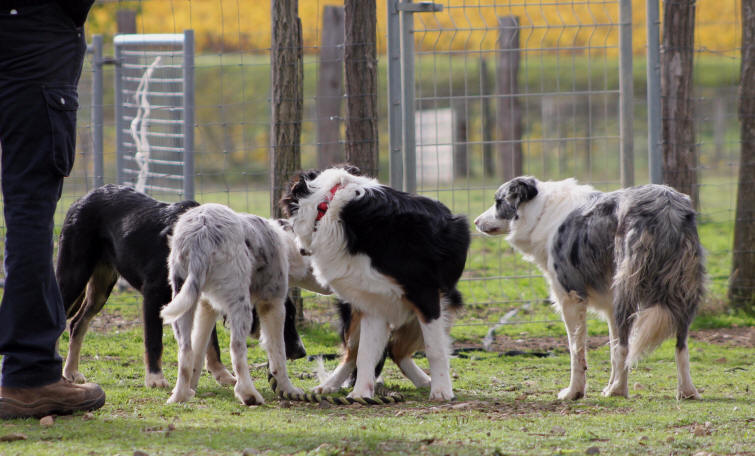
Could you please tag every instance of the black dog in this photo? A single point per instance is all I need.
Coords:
(115, 230)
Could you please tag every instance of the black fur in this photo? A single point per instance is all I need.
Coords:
(413, 239)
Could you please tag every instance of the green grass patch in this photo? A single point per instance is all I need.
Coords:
(505, 405)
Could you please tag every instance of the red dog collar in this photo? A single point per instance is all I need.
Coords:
(322, 208)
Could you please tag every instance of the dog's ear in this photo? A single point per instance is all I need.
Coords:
(297, 189)
(351, 169)
(512, 194)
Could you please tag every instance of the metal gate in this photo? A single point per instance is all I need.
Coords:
(154, 112)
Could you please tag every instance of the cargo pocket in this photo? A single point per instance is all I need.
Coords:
(62, 103)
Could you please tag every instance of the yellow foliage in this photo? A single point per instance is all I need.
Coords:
(244, 25)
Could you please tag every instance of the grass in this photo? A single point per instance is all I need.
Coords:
(505, 405)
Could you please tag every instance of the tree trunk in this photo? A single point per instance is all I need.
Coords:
(677, 105)
(330, 88)
(742, 284)
(361, 85)
(488, 162)
(287, 96)
(509, 110)
(287, 78)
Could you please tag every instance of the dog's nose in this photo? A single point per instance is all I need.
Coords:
(477, 222)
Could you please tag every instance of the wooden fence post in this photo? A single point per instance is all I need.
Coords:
(488, 163)
(742, 284)
(460, 138)
(361, 85)
(287, 74)
(509, 110)
(126, 21)
(677, 105)
(330, 88)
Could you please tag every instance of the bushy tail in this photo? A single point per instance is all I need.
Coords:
(660, 273)
(651, 327)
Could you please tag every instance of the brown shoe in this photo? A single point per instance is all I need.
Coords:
(60, 398)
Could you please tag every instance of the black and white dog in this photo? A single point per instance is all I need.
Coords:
(115, 230)
(633, 255)
(236, 263)
(395, 257)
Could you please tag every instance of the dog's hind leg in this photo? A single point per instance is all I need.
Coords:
(204, 323)
(685, 388)
(405, 341)
(437, 348)
(97, 291)
(272, 315)
(214, 364)
(241, 325)
(617, 383)
(574, 313)
(374, 333)
(155, 296)
(182, 328)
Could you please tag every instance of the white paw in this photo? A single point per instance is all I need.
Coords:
(615, 390)
(689, 394)
(571, 394)
(325, 389)
(224, 378)
(155, 380)
(250, 397)
(441, 394)
(362, 392)
(74, 377)
(180, 396)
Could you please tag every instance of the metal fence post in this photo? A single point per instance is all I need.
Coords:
(118, 110)
(408, 142)
(626, 95)
(188, 108)
(97, 121)
(395, 126)
(654, 93)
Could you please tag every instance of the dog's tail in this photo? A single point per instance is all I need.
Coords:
(187, 259)
(660, 277)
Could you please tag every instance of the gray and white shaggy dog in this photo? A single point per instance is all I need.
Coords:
(633, 255)
(233, 261)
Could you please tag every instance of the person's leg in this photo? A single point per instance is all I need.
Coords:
(37, 134)
(40, 64)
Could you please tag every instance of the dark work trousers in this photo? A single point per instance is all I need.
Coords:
(41, 55)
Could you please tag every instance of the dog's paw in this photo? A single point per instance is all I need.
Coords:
(689, 394)
(180, 396)
(615, 390)
(224, 378)
(74, 377)
(441, 395)
(251, 397)
(291, 389)
(568, 394)
(155, 380)
(325, 389)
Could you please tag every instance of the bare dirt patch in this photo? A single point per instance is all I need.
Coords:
(733, 337)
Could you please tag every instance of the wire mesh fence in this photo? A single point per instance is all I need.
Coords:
(493, 80)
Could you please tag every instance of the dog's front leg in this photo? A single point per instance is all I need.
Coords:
(272, 317)
(182, 392)
(374, 333)
(574, 312)
(437, 347)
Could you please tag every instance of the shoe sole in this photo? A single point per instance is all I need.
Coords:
(10, 408)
